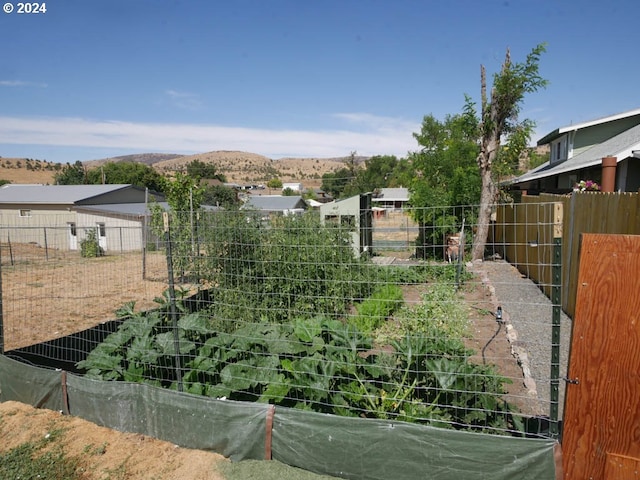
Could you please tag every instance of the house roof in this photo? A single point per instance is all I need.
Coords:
(621, 146)
(136, 209)
(400, 194)
(275, 203)
(54, 194)
(549, 137)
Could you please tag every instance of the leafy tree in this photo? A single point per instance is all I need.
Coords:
(274, 183)
(71, 175)
(444, 175)
(379, 172)
(134, 173)
(536, 159)
(289, 192)
(4, 182)
(335, 183)
(498, 120)
(198, 169)
(220, 195)
(346, 181)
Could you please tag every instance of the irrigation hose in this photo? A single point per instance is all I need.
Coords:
(484, 361)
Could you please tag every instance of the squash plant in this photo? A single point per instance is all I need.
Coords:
(316, 363)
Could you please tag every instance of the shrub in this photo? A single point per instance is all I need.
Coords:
(89, 246)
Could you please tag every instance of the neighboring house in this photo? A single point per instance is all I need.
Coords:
(59, 216)
(577, 153)
(391, 198)
(276, 204)
(354, 213)
(296, 187)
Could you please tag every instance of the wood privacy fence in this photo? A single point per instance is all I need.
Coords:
(523, 232)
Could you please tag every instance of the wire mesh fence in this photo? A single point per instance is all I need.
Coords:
(293, 311)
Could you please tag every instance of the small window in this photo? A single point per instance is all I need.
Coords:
(102, 230)
(25, 213)
(558, 150)
(72, 229)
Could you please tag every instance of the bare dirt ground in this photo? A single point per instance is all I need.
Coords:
(105, 453)
(50, 298)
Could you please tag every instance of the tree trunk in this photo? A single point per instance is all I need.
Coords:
(487, 200)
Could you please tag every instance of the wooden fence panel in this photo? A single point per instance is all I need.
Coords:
(602, 413)
(613, 213)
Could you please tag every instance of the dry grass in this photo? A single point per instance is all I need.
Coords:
(238, 167)
(46, 299)
(15, 170)
(244, 167)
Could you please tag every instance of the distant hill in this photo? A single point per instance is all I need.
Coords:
(238, 167)
(146, 158)
(245, 167)
(27, 170)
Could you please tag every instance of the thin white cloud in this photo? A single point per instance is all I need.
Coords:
(184, 100)
(376, 122)
(21, 83)
(384, 139)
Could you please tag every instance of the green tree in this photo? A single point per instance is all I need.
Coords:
(379, 172)
(198, 169)
(120, 173)
(71, 175)
(445, 175)
(274, 183)
(334, 183)
(219, 195)
(498, 120)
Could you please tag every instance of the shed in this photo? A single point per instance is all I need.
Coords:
(56, 215)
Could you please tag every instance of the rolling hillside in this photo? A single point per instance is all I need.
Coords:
(238, 167)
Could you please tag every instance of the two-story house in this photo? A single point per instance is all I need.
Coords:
(577, 152)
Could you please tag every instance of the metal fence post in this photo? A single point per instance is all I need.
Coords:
(556, 300)
(172, 302)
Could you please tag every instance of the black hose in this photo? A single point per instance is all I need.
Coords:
(498, 316)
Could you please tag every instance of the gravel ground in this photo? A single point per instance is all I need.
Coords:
(529, 312)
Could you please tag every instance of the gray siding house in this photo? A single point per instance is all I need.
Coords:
(391, 198)
(577, 153)
(275, 204)
(61, 215)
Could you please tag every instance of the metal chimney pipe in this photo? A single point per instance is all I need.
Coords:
(609, 174)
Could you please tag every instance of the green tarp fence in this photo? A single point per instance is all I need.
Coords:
(353, 448)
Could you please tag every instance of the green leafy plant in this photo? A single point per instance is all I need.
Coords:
(282, 329)
(90, 246)
(375, 309)
(313, 363)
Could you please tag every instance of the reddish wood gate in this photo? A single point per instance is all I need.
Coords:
(601, 434)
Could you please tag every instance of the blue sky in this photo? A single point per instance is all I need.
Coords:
(90, 79)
